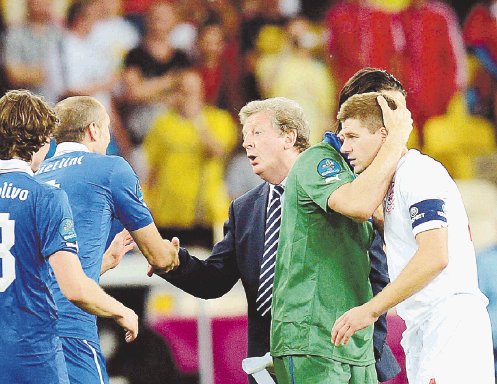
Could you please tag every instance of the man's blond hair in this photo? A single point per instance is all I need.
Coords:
(365, 107)
(76, 114)
(286, 115)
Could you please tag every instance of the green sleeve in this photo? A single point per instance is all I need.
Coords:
(320, 171)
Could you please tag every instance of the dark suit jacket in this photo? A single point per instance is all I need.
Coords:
(238, 256)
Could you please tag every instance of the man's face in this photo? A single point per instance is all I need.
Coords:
(103, 136)
(161, 19)
(265, 146)
(39, 10)
(211, 43)
(359, 144)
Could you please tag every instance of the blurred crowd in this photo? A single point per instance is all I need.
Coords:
(174, 75)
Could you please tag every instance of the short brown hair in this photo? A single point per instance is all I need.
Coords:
(26, 124)
(286, 115)
(365, 107)
(76, 113)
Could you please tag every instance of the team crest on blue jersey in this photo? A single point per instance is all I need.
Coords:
(139, 193)
(67, 232)
(328, 168)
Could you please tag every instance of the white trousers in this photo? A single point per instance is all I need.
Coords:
(452, 346)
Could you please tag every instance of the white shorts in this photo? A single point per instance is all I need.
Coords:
(452, 346)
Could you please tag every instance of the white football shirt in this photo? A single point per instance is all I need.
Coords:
(422, 197)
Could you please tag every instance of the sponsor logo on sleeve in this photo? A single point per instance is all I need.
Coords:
(66, 230)
(329, 170)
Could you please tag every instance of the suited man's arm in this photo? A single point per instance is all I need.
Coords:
(387, 366)
(213, 277)
(378, 277)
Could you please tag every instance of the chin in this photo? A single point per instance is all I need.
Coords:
(257, 170)
(358, 170)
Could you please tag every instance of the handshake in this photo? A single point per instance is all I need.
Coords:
(173, 248)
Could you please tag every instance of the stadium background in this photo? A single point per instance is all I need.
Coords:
(187, 340)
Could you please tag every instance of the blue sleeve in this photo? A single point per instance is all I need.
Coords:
(55, 224)
(129, 206)
(333, 140)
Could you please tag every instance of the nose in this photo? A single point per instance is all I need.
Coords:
(247, 142)
(345, 148)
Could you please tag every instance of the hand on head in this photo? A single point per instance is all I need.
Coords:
(398, 122)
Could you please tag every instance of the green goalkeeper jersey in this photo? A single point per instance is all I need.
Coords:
(322, 265)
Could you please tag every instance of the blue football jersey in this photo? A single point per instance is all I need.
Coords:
(101, 189)
(35, 222)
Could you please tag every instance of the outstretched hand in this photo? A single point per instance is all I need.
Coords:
(176, 244)
(121, 244)
(350, 322)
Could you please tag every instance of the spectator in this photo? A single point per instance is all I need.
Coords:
(97, 76)
(285, 73)
(32, 52)
(218, 68)
(3, 76)
(135, 11)
(480, 34)
(373, 34)
(147, 77)
(256, 15)
(433, 61)
(186, 148)
(113, 34)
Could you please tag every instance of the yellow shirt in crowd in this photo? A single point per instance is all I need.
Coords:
(188, 185)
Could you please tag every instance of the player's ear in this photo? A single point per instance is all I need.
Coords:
(290, 138)
(383, 133)
(93, 131)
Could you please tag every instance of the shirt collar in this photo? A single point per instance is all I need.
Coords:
(15, 165)
(282, 184)
(70, 146)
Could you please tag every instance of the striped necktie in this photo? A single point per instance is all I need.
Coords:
(273, 221)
